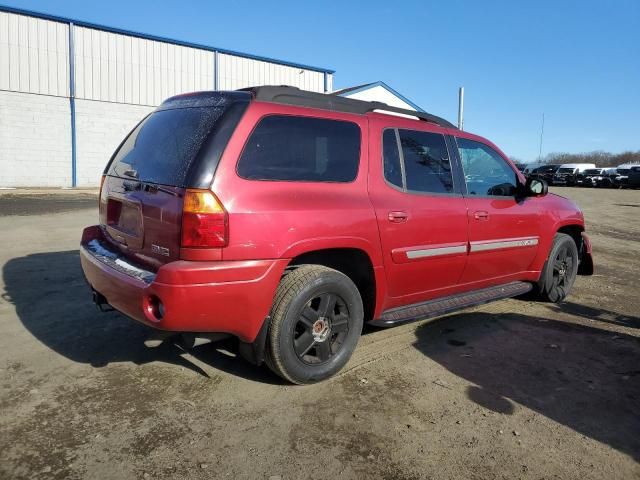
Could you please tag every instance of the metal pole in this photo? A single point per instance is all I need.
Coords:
(72, 105)
(216, 71)
(541, 134)
(461, 108)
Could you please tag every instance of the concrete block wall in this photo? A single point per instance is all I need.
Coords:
(100, 127)
(115, 79)
(35, 140)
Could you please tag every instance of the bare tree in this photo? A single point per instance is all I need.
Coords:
(599, 158)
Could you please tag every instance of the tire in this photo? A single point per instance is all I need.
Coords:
(308, 340)
(560, 269)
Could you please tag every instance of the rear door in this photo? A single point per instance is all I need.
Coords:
(504, 230)
(420, 211)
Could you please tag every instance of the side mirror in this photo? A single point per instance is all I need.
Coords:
(536, 187)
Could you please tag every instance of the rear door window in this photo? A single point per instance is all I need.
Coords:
(417, 161)
(304, 149)
(162, 148)
(391, 157)
(485, 171)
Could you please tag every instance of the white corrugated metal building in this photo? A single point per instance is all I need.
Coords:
(70, 91)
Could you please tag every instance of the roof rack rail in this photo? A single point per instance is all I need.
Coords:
(295, 96)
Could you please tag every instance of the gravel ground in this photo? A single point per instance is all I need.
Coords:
(514, 389)
(32, 202)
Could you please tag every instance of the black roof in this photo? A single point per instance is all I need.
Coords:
(303, 98)
(292, 96)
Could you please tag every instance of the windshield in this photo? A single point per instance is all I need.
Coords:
(164, 145)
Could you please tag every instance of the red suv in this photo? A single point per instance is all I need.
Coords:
(288, 218)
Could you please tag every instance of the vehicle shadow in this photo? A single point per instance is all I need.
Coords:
(582, 377)
(599, 314)
(54, 304)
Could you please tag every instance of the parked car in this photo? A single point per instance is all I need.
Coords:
(627, 176)
(544, 172)
(530, 167)
(567, 173)
(521, 167)
(288, 218)
(596, 177)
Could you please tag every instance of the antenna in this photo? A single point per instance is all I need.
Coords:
(541, 134)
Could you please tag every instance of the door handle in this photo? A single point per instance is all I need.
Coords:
(398, 217)
(481, 215)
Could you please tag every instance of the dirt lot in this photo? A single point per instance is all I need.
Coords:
(509, 390)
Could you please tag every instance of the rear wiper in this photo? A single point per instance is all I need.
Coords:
(131, 173)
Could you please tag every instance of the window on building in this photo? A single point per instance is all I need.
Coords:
(289, 148)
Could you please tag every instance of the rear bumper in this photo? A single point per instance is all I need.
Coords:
(587, 182)
(563, 181)
(226, 296)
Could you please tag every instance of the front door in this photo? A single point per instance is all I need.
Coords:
(504, 230)
(421, 214)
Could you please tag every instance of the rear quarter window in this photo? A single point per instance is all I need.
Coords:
(290, 148)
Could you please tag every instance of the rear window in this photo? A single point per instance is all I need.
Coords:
(291, 148)
(417, 161)
(391, 158)
(163, 147)
(426, 162)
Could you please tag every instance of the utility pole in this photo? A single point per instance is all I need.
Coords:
(461, 108)
(541, 134)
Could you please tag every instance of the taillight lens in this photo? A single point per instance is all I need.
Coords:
(204, 220)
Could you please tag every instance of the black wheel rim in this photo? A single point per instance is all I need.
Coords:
(563, 268)
(321, 328)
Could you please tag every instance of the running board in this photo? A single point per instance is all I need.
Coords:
(440, 306)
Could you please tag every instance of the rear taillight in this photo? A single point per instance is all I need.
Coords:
(204, 220)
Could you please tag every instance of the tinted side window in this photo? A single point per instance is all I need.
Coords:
(485, 171)
(290, 148)
(391, 158)
(426, 162)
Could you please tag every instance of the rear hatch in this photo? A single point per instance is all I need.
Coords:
(176, 147)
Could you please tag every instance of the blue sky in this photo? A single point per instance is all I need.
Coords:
(576, 61)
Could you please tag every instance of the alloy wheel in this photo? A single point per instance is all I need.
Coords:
(321, 328)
